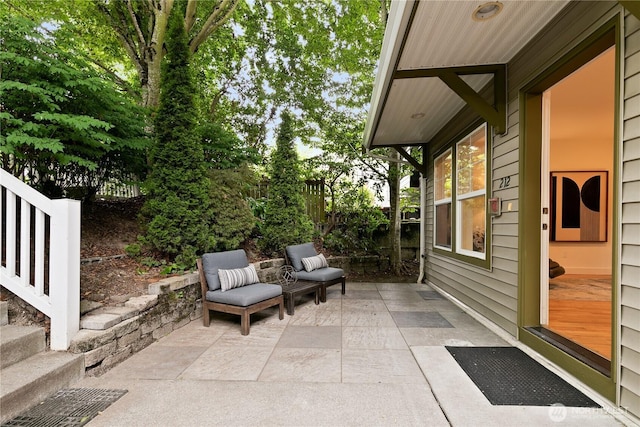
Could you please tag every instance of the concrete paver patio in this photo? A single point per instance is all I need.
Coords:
(375, 356)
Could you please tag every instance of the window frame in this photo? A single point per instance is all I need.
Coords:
(444, 201)
(481, 259)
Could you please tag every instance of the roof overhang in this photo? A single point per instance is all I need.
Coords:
(436, 59)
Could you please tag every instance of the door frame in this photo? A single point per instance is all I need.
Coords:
(530, 212)
(544, 214)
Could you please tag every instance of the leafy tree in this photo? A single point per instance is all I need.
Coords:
(316, 58)
(178, 208)
(286, 219)
(223, 149)
(334, 171)
(409, 200)
(359, 221)
(141, 27)
(63, 123)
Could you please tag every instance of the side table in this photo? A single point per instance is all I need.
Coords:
(299, 288)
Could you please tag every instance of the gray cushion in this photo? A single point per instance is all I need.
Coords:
(295, 253)
(321, 275)
(245, 295)
(225, 260)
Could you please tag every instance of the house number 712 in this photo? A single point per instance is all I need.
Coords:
(505, 182)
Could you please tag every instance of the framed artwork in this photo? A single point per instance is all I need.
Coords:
(579, 206)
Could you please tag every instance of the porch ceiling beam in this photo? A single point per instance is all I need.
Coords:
(632, 6)
(411, 160)
(495, 116)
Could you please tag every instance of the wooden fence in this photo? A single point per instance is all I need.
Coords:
(314, 200)
(313, 192)
(314, 196)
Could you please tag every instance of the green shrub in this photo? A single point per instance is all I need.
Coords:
(358, 222)
(259, 210)
(177, 212)
(286, 221)
(232, 220)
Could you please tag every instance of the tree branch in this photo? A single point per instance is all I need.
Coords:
(216, 99)
(134, 21)
(213, 21)
(190, 15)
(122, 33)
(121, 82)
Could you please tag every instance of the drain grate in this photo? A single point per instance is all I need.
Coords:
(68, 407)
(428, 295)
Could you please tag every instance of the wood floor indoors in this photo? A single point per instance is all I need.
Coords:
(580, 310)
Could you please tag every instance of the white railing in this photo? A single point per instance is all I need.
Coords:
(40, 254)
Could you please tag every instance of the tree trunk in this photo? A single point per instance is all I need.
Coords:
(153, 56)
(151, 87)
(395, 257)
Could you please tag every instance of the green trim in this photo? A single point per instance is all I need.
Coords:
(529, 219)
(616, 216)
(588, 49)
(437, 72)
(594, 379)
(421, 168)
(495, 116)
(632, 6)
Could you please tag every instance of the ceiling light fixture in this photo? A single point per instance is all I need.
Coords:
(417, 115)
(487, 11)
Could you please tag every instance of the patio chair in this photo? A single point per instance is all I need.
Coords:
(231, 285)
(312, 267)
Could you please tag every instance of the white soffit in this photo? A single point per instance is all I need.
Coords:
(428, 96)
(443, 34)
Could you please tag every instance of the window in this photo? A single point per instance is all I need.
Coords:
(466, 201)
(443, 189)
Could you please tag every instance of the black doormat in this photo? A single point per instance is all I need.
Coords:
(508, 376)
(68, 407)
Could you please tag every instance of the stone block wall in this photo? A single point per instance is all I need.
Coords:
(112, 334)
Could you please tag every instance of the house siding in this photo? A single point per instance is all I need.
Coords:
(630, 218)
(494, 293)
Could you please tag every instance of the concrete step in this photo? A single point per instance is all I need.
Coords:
(19, 342)
(28, 382)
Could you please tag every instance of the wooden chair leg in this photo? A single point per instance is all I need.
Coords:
(344, 281)
(323, 293)
(316, 294)
(245, 320)
(205, 316)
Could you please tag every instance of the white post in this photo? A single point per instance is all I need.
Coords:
(423, 226)
(25, 238)
(64, 273)
(11, 233)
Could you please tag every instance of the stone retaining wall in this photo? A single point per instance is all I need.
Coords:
(109, 335)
